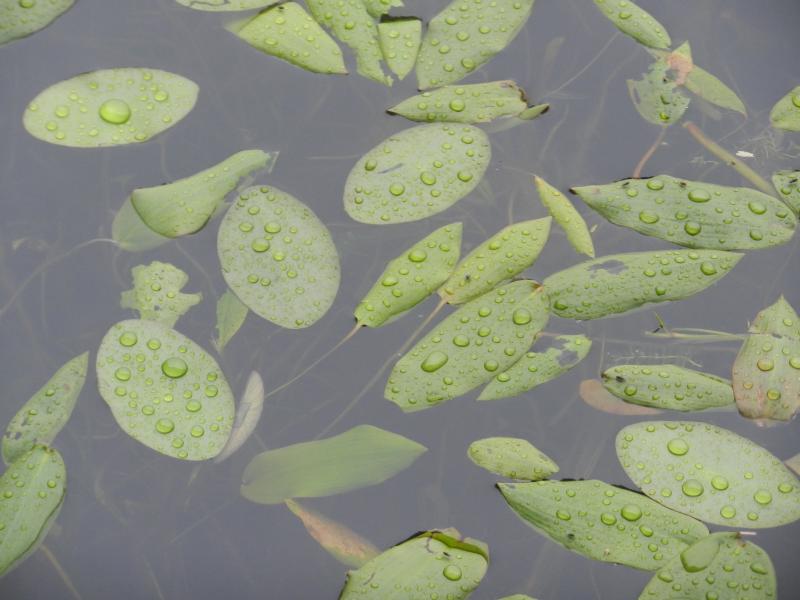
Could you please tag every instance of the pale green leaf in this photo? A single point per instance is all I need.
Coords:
(779, 319)
(657, 97)
(20, 18)
(226, 5)
(376, 8)
(231, 313)
(534, 111)
(793, 463)
(131, 233)
(514, 458)
(566, 216)
(702, 83)
(156, 293)
(248, 413)
(785, 183)
(595, 395)
(635, 22)
(786, 112)
(399, 39)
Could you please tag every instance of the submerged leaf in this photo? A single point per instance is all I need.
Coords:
(360, 457)
(248, 414)
(566, 216)
(231, 313)
(657, 96)
(156, 293)
(595, 395)
(21, 18)
(131, 233)
(786, 113)
(635, 22)
(512, 457)
(226, 5)
(789, 191)
(399, 40)
(110, 107)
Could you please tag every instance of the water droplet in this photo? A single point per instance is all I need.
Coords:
(678, 447)
(608, 519)
(452, 572)
(708, 268)
(699, 196)
(763, 497)
(128, 339)
(648, 217)
(174, 367)
(719, 483)
(631, 512)
(164, 426)
(123, 374)
(692, 488)
(765, 364)
(396, 189)
(115, 111)
(756, 207)
(692, 228)
(434, 361)
(727, 512)
(417, 256)
(521, 316)
(457, 105)
(461, 341)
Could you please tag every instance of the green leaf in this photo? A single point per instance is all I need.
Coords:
(130, 232)
(793, 463)
(399, 39)
(226, 5)
(668, 386)
(635, 22)
(430, 564)
(416, 173)
(618, 283)
(566, 216)
(595, 395)
(512, 457)
(110, 107)
(290, 33)
(786, 113)
(376, 8)
(164, 390)
(360, 457)
(496, 260)
(48, 410)
(534, 111)
(231, 313)
(248, 413)
(156, 293)
(278, 257)
(484, 337)
(692, 213)
(788, 190)
(657, 97)
(603, 522)
(717, 566)
(710, 473)
(21, 18)
(538, 367)
(411, 277)
(186, 205)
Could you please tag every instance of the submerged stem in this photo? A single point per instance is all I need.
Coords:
(61, 572)
(637, 172)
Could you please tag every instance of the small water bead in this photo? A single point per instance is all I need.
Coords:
(699, 196)
(123, 374)
(631, 512)
(174, 367)
(27, 3)
(785, 488)
(608, 519)
(719, 483)
(765, 364)
(193, 406)
(655, 185)
(434, 361)
(164, 426)
(427, 178)
(708, 268)
(563, 515)
(464, 176)
(757, 208)
(389, 281)
(692, 228)
(452, 572)
(197, 431)
(115, 111)
(796, 100)
(457, 105)
(678, 447)
(692, 488)
(260, 245)
(417, 256)
(648, 217)
(397, 189)
(491, 365)
(148, 410)
(128, 339)
(461, 341)
(763, 497)
(521, 316)
(727, 512)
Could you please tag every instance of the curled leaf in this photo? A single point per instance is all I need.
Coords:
(635, 22)
(566, 216)
(786, 112)
(248, 414)
(156, 293)
(512, 457)
(399, 40)
(21, 18)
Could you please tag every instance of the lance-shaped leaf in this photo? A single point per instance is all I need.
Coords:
(341, 542)
(595, 395)
(786, 184)
(231, 313)
(288, 32)
(48, 410)
(376, 8)
(657, 97)
(399, 40)
(465, 35)
(538, 367)
(496, 260)
(411, 277)
(603, 522)
(31, 493)
(484, 337)
(512, 457)
(248, 414)
(635, 22)
(416, 173)
(786, 112)
(668, 386)
(618, 283)
(432, 564)
(710, 473)
(110, 107)
(692, 213)
(156, 293)
(360, 457)
(130, 232)
(722, 565)
(21, 18)
(225, 5)
(566, 216)
(278, 257)
(164, 390)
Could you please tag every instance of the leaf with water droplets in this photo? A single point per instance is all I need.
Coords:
(635, 22)
(156, 293)
(110, 107)
(21, 18)
(786, 112)
(399, 39)
(618, 283)
(416, 173)
(278, 257)
(485, 336)
(164, 390)
(786, 183)
(595, 395)
(512, 457)
(411, 277)
(360, 457)
(722, 565)
(538, 367)
(603, 522)
(248, 414)
(566, 216)
(226, 5)
(709, 473)
(377, 8)
(692, 213)
(231, 313)
(131, 233)
(657, 97)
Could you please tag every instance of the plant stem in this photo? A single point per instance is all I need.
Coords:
(637, 172)
(61, 572)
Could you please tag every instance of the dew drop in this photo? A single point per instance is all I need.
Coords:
(115, 111)
(174, 367)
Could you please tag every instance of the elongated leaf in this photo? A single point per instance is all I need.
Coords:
(164, 390)
(376, 8)
(360, 457)
(465, 35)
(248, 414)
(225, 5)
(657, 97)
(131, 233)
(512, 457)
(710, 473)
(692, 213)
(595, 395)
(399, 40)
(566, 216)
(416, 173)
(21, 18)
(786, 184)
(618, 283)
(48, 410)
(110, 107)
(635, 22)
(483, 337)
(156, 293)
(603, 522)
(786, 112)
(411, 277)
(722, 565)
(498, 259)
(538, 367)
(231, 313)
(278, 257)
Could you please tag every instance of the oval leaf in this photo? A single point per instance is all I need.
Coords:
(156, 293)
(231, 313)
(657, 97)
(635, 22)
(399, 40)
(248, 414)
(21, 18)
(595, 395)
(786, 113)
(512, 457)
(225, 5)
(566, 216)
(786, 184)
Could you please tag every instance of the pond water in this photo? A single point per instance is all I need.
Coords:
(137, 524)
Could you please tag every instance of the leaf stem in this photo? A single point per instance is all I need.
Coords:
(637, 172)
(61, 572)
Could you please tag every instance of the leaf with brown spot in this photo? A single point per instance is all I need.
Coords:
(595, 395)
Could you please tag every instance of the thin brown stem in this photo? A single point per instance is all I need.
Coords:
(637, 172)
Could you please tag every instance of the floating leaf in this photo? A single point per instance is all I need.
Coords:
(226, 5)
(411, 277)
(595, 395)
(618, 283)
(164, 390)
(603, 522)
(21, 18)
(786, 184)
(156, 293)
(110, 107)
(498, 259)
(360, 457)
(376, 8)
(399, 40)
(538, 367)
(512, 457)
(32, 491)
(786, 113)
(483, 337)
(794, 463)
(186, 205)
(278, 257)
(635, 22)
(248, 414)
(131, 233)
(231, 313)
(692, 213)
(534, 111)
(45, 414)
(465, 35)
(566, 216)
(416, 173)
(717, 566)
(710, 473)
(657, 97)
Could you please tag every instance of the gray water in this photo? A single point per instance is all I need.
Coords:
(132, 526)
